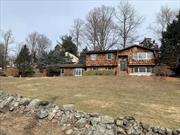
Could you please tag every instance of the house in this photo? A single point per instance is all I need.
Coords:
(71, 69)
(133, 60)
(74, 59)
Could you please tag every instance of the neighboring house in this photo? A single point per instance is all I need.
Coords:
(74, 59)
(133, 60)
(71, 69)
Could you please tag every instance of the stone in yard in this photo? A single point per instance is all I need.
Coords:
(107, 120)
(120, 130)
(42, 113)
(43, 103)
(81, 123)
(95, 120)
(168, 131)
(6, 102)
(52, 113)
(69, 107)
(69, 132)
(34, 104)
(119, 123)
(24, 101)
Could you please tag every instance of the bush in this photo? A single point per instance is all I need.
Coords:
(53, 70)
(99, 72)
(28, 72)
(163, 70)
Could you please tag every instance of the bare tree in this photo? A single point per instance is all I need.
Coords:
(165, 16)
(8, 39)
(127, 20)
(37, 43)
(43, 43)
(100, 29)
(77, 32)
(2, 50)
(31, 41)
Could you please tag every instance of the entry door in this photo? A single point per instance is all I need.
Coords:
(123, 64)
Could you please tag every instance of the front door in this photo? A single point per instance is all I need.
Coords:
(123, 64)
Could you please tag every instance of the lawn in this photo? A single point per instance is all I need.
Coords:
(155, 101)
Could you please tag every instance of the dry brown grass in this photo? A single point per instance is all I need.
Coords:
(150, 99)
(17, 124)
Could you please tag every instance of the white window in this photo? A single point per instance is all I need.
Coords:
(143, 56)
(142, 70)
(78, 71)
(93, 56)
(109, 56)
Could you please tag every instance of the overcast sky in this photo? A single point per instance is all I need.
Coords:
(55, 17)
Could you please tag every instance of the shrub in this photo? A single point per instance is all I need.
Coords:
(99, 72)
(53, 70)
(163, 70)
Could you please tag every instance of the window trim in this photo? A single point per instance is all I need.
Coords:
(146, 69)
(107, 56)
(78, 71)
(93, 56)
(136, 56)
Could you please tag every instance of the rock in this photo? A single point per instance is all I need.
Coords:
(174, 132)
(178, 130)
(162, 131)
(99, 130)
(145, 126)
(34, 104)
(120, 130)
(81, 123)
(69, 132)
(4, 109)
(53, 112)
(42, 113)
(107, 120)
(168, 131)
(119, 123)
(6, 102)
(43, 103)
(129, 118)
(69, 107)
(24, 101)
(94, 121)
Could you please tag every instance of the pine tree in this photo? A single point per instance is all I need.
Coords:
(170, 49)
(68, 45)
(23, 62)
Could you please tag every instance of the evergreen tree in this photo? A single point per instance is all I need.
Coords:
(23, 62)
(82, 57)
(170, 49)
(68, 45)
(148, 43)
(57, 56)
(2, 52)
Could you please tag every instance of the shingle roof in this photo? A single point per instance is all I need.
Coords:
(113, 51)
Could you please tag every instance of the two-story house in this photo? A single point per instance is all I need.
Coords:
(133, 60)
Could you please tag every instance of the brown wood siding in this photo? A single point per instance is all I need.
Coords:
(100, 60)
(12, 71)
(68, 71)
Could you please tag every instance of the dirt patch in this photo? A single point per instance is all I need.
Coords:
(11, 124)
